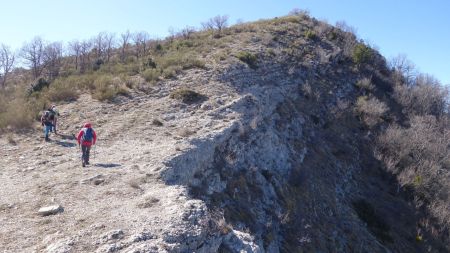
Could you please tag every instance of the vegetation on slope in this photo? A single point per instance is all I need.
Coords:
(406, 113)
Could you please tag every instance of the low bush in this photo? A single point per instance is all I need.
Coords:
(311, 35)
(184, 61)
(371, 110)
(17, 115)
(39, 84)
(171, 72)
(82, 82)
(130, 82)
(108, 87)
(151, 75)
(97, 64)
(186, 96)
(365, 84)
(362, 54)
(60, 90)
(150, 63)
(248, 58)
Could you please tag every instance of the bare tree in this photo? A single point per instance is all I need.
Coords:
(345, 27)
(124, 40)
(402, 65)
(7, 58)
(208, 25)
(216, 23)
(33, 53)
(52, 59)
(425, 97)
(140, 40)
(187, 32)
(85, 49)
(75, 50)
(299, 12)
(349, 37)
(99, 43)
(110, 40)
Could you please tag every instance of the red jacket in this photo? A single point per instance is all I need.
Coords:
(86, 143)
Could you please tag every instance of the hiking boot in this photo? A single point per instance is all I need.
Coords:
(83, 164)
(46, 138)
(87, 163)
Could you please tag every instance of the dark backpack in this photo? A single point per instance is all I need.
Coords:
(46, 117)
(88, 134)
(51, 114)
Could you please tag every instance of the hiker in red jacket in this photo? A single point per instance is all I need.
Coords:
(86, 138)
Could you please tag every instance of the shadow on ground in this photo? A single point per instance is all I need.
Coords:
(107, 165)
(67, 136)
(65, 143)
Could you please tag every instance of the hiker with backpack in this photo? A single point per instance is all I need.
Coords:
(53, 116)
(47, 123)
(86, 138)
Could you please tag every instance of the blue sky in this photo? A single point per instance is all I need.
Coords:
(419, 29)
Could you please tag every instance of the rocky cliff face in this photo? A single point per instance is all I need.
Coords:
(295, 171)
(275, 160)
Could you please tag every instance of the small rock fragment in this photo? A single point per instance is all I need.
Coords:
(49, 210)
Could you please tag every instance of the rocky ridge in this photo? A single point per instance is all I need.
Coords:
(273, 161)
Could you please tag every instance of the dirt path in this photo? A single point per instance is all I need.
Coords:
(120, 200)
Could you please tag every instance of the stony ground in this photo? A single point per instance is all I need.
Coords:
(120, 201)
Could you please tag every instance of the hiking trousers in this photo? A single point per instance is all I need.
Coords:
(47, 130)
(85, 156)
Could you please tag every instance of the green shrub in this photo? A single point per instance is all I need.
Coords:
(150, 63)
(104, 93)
(108, 87)
(285, 20)
(62, 90)
(185, 61)
(248, 58)
(271, 52)
(362, 54)
(18, 115)
(171, 72)
(39, 84)
(97, 64)
(183, 43)
(311, 35)
(133, 69)
(192, 62)
(186, 96)
(151, 75)
(122, 90)
(83, 82)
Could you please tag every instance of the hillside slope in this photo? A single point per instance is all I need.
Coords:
(273, 158)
